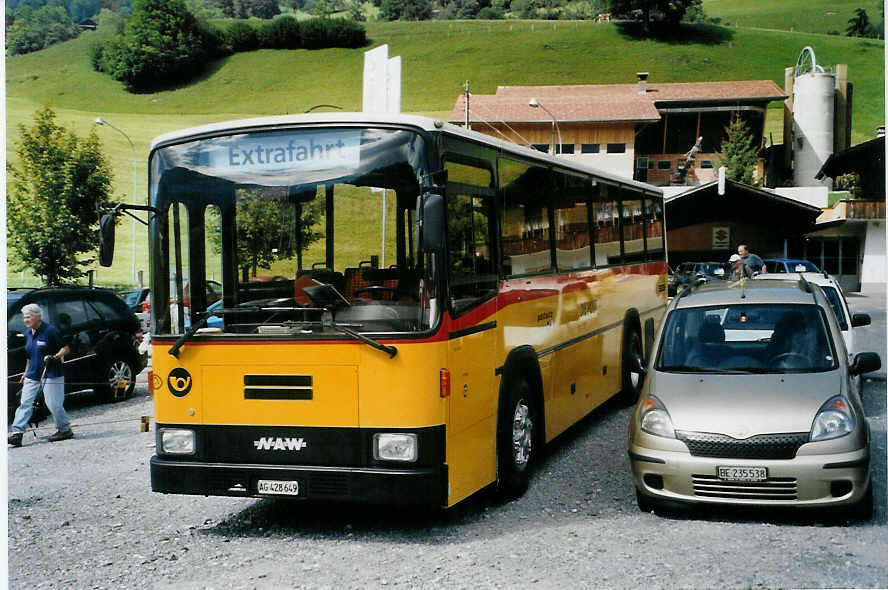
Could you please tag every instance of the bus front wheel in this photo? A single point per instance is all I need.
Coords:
(516, 448)
(632, 373)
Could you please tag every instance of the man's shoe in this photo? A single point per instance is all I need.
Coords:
(61, 435)
(15, 439)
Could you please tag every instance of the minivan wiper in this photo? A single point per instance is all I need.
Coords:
(390, 350)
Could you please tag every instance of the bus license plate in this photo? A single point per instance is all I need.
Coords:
(277, 488)
(743, 473)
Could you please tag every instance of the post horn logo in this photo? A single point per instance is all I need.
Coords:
(179, 381)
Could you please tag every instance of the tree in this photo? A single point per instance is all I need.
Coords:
(57, 186)
(162, 44)
(738, 154)
(648, 11)
(267, 229)
(859, 25)
(32, 30)
(405, 10)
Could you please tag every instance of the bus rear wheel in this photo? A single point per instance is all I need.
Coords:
(517, 437)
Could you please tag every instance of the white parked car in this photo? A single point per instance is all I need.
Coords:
(835, 295)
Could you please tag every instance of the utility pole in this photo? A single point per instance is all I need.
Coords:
(467, 105)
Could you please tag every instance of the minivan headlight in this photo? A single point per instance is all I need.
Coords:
(177, 441)
(655, 419)
(834, 419)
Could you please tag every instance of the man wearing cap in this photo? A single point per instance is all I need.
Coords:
(45, 349)
(738, 269)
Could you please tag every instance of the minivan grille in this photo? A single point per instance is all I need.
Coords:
(763, 446)
(773, 488)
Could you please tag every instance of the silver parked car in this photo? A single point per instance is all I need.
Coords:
(750, 399)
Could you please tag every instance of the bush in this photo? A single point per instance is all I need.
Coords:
(490, 13)
(281, 33)
(162, 44)
(318, 33)
(240, 36)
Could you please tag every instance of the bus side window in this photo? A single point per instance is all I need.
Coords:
(471, 273)
(525, 220)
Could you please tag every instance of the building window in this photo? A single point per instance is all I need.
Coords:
(590, 148)
(616, 148)
(567, 148)
(540, 147)
(664, 164)
(705, 163)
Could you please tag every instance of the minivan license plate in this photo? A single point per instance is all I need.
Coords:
(743, 473)
(277, 488)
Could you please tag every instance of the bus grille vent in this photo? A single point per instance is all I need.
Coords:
(278, 387)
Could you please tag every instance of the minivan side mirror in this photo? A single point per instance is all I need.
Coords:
(860, 319)
(865, 362)
(106, 239)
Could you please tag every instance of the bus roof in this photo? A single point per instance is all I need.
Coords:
(424, 123)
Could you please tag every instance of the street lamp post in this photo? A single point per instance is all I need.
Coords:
(101, 121)
(534, 103)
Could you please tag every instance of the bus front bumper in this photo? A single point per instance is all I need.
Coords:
(418, 486)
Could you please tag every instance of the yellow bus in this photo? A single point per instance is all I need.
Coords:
(409, 310)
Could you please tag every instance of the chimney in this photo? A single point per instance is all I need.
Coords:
(642, 82)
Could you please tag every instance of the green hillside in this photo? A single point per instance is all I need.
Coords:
(814, 16)
(437, 58)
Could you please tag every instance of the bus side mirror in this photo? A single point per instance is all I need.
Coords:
(106, 239)
(431, 222)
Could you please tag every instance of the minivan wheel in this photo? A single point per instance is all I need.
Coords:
(118, 370)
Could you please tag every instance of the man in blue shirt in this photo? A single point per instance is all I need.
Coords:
(45, 349)
(755, 264)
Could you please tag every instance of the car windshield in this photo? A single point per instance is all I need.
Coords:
(835, 300)
(754, 338)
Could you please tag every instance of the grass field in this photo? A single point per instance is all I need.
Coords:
(813, 16)
(437, 58)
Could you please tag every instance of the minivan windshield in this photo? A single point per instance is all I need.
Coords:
(754, 338)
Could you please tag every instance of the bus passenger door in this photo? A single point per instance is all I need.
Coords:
(472, 285)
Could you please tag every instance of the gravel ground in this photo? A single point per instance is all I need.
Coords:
(81, 515)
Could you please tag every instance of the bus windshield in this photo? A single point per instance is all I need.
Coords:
(290, 233)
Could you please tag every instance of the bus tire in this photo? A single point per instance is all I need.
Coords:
(517, 440)
(632, 380)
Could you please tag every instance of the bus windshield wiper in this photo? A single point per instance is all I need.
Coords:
(174, 351)
(390, 350)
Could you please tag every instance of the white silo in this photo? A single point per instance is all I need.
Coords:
(813, 112)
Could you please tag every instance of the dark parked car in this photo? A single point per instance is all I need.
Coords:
(101, 330)
(689, 273)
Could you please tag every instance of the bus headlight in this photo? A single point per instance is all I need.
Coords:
(395, 446)
(177, 441)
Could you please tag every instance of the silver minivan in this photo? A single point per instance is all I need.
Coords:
(750, 399)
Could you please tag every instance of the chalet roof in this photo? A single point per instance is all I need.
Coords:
(607, 102)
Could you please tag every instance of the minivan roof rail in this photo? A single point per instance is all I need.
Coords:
(805, 284)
